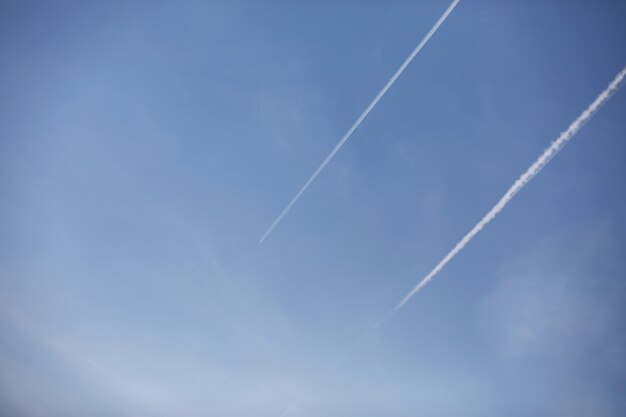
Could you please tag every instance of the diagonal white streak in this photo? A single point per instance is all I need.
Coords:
(533, 170)
(356, 124)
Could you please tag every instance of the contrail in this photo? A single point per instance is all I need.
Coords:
(534, 169)
(356, 124)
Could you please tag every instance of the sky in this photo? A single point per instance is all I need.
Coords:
(145, 147)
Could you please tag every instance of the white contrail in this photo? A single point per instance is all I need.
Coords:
(356, 124)
(534, 169)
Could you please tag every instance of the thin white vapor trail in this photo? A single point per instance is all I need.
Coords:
(356, 124)
(533, 170)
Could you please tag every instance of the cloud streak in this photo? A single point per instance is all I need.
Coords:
(533, 170)
(521, 182)
(356, 124)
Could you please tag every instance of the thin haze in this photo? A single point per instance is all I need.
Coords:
(533, 170)
(356, 124)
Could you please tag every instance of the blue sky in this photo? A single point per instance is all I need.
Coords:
(146, 146)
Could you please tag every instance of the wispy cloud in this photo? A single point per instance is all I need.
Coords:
(356, 124)
(553, 305)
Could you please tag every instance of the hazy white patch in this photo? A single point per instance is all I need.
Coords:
(126, 374)
(556, 318)
(546, 301)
